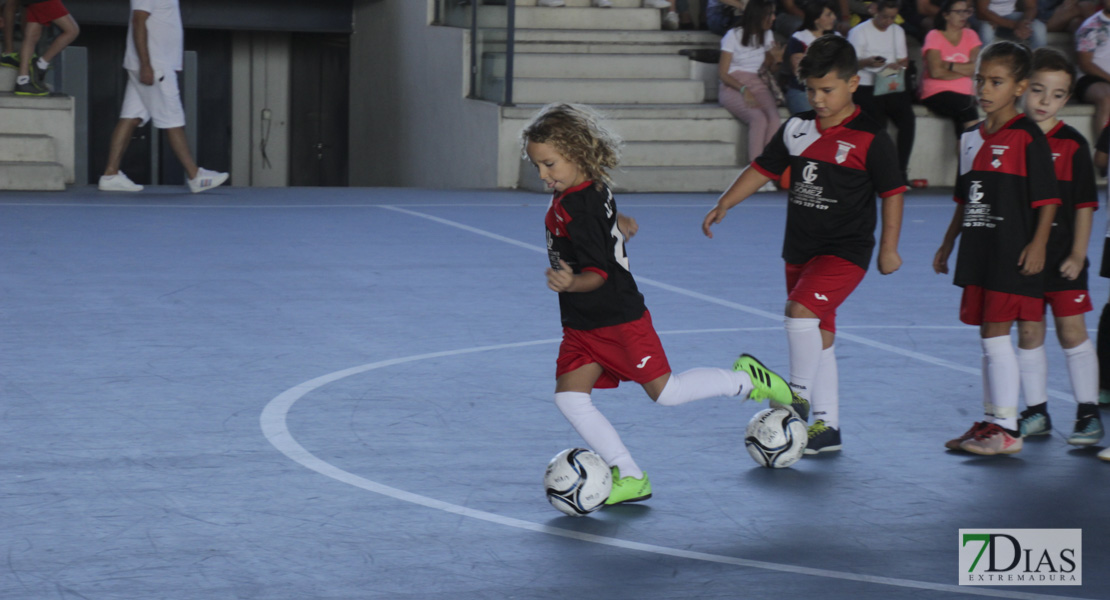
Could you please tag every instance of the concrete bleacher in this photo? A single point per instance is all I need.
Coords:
(37, 149)
(677, 138)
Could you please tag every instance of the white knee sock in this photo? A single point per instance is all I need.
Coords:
(1083, 369)
(1005, 380)
(803, 336)
(826, 390)
(987, 401)
(703, 382)
(1034, 375)
(596, 431)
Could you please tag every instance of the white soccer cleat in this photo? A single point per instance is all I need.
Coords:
(118, 183)
(206, 180)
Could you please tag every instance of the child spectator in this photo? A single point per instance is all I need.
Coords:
(881, 46)
(839, 159)
(1006, 198)
(1092, 41)
(1003, 17)
(951, 49)
(607, 332)
(32, 72)
(744, 51)
(1065, 261)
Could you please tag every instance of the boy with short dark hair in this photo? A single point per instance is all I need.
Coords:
(839, 160)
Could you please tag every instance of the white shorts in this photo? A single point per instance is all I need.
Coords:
(160, 102)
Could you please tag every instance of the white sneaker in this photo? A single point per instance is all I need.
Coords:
(1105, 454)
(603, 4)
(206, 180)
(551, 3)
(118, 183)
(657, 4)
(670, 21)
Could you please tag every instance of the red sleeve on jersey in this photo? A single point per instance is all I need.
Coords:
(1046, 202)
(894, 192)
(764, 172)
(603, 274)
(775, 157)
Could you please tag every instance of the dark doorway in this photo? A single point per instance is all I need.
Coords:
(318, 111)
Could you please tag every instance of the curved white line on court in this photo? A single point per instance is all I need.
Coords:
(274, 427)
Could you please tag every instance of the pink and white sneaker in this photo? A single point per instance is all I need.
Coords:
(990, 440)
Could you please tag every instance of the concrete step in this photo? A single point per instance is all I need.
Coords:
(32, 176)
(604, 91)
(567, 17)
(595, 41)
(19, 147)
(591, 66)
(701, 122)
(588, 3)
(655, 179)
(7, 79)
(683, 153)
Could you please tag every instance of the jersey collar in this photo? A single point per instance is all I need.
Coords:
(987, 136)
(841, 124)
(577, 188)
(1056, 128)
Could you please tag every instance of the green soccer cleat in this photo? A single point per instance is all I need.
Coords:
(770, 386)
(10, 60)
(628, 489)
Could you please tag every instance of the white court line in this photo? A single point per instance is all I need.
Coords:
(275, 428)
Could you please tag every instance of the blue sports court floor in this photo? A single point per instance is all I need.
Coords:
(346, 393)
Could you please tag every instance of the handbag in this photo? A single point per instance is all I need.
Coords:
(891, 80)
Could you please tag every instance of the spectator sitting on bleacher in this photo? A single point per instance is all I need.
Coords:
(722, 15)
(820, 18)
(745, 50)
(1002, 17)
(38, 14)
(883, 59)
(1092, 44)
(791, 14)
(1065, 15)
(950, 51)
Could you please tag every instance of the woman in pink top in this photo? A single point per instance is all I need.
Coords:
(950, 50)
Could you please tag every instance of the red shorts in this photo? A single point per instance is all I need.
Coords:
(1069, 303)
(978, 306)
(822, 284)
(627, 352)
(45, 13)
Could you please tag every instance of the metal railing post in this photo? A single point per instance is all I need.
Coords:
(510, 39)
(474, 50)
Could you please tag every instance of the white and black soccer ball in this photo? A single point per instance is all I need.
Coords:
(577, 481)
(776, 438)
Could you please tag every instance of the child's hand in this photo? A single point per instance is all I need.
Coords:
(889, 261)
(714, 216)
(627, 225)
(561, 279)
(1072, 266)
(940, 259)
(1031, 260)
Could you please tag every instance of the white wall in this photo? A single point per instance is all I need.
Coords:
(410, 123)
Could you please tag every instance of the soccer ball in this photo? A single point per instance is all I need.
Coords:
(776, 438)
(577, 481)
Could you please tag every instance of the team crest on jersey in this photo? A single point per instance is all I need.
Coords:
(1055, 155)
(996, 152)
(842, 149)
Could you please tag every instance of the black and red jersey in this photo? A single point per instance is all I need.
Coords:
(582, 230)
(1004, 177)
(835, 174)
(1075, 174)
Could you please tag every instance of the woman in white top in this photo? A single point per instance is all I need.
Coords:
(881, 47)
(744, 51)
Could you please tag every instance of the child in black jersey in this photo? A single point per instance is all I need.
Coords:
(607, 332)
(839, 160)
(1065, 262)
(1006, 196)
